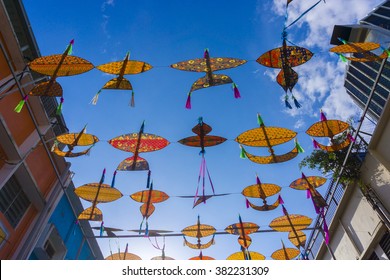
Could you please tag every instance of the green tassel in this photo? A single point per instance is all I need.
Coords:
(20, 105)
(70, 47)
(242, 154)
(59, 107)
(299, 147)
(343, 58)
(259, 120)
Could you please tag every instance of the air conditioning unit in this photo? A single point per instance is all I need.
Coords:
(50, 245)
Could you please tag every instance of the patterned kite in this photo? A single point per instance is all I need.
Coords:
(360, 52)
(285, 253)
(246, 256)
(148, 197)
(199, 231)
(137, 143)
(202, 140)
(291, 223)
(96, 193)
(123, 256)
(330, 128)
(73, 140)
(261, 190)
(209, 65)
(310, 184)
(243, 229)
(268, 137)
(55, 66)
(121, 68)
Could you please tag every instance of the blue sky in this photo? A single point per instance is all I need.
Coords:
(165, 32)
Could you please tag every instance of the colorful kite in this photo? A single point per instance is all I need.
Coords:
(268, 137)
(310, 184)
(261, 190)
(246, 256)
(97, 193)
(55, 66)
(201, 258)
(137, 143)
(209, 65)
(243, 229)
(330, 129)
(285, 253)
(121, 68)
(202, 140)
(73, 140)
(148, 197)
(360, 52)
(199, 231)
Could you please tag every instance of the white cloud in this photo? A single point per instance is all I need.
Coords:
(321, 80)
(107, 3)
(299, 123)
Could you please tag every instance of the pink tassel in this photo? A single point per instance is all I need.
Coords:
(326, 231)
(247, 202)
(206, 53)
(323, 117)
(315, 144)
(349, 136)
(308, 195)
(188, 103)
(258, 180)
(280, 199)
(303, 176)
(236, 91)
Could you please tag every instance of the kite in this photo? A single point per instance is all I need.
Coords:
(330, 128)
(137, 143)
(148, 197)
(121, 68)
(209, 65)
(310, 184)
(246, 256)
(97, 193)
(243, 229)
(285, 253)
(55, 66)
(261, 190)
(199, 231)
(73, 140)
(201, 257)
(291, 223)
(361, 51)
(123, 256)
(202, 140)
(268, 137)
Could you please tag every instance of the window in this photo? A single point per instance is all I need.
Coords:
(13, 201)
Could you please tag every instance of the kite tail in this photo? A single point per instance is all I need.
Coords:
(188, 103)
(286, 103)
(296, 103)
(59, 107)
(236, 91)
(20, 105)
(132, 102)
(96, 97)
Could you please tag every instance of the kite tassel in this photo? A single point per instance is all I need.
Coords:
(95, 98)
(387, 51)
(113, 180)
(308, 195)
(323, 117)
(326, 231)
(299, 147)
(247, 203)
(296, 103)
(206, 53)
(70, 47)
(101, 228)
(59, 107)
(236, 91)
(280, 199)
(132, 102)
(188, 103)
(259, 120)
(350, 138)
(20, 105)
(146, 228)
(286, 103)
(148, 180)
(242, 154)
(342, 57)
(140, 226)
(315, 144)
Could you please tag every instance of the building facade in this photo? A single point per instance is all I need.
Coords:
(32, 181)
